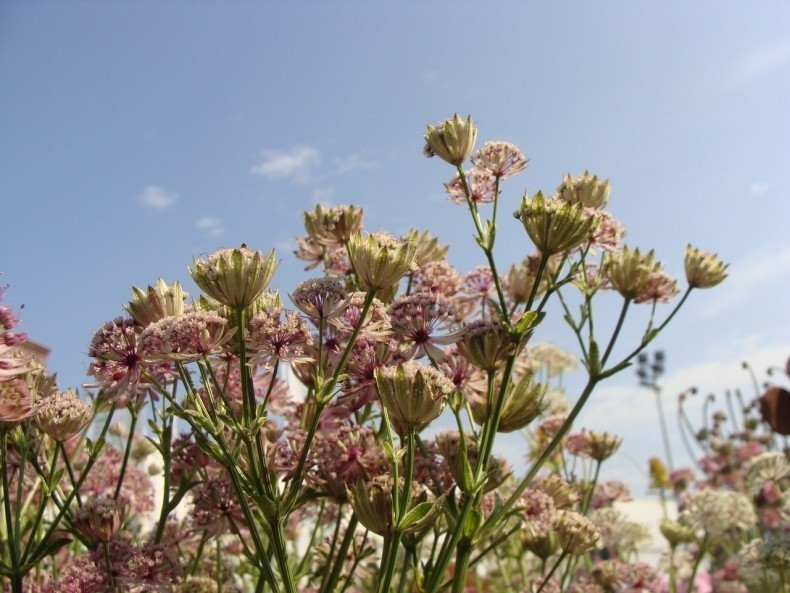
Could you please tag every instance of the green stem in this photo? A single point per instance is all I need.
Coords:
(133, 411)
(703, 547)
(462, 556)
(554, 568)
(340, 558)
(484, 242)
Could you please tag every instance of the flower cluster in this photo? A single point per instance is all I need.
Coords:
(268, 426)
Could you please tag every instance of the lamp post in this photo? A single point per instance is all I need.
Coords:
(649, 374)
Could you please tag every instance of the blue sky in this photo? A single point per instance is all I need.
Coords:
(134, 136)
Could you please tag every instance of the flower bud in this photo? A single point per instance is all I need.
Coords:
(380, 260)
(585, 189)
(629, 272)
(555, 225)
(234, 277)
(333, 226)
(100, 519)
(156, 302)
(524, 401)
(451, 140)
(427, 247)
(413, 394)
(703, 269)
(487, 345)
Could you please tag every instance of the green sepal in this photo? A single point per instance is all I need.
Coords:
(594, 359)
(471, 524)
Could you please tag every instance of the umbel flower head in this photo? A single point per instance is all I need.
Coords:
(555, 225)
(62, 415)
(156, 302)
(234, 277)
(379, 259)
(451, 140)
(585, 189)
(414, 394)
(576, 534)
(501, 159)
(703, 269)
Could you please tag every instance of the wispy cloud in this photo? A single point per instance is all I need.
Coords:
(754, 272)
(296, 163)
(353, 162)
(156, 198)
(758, 188)
(212, 227)
(759, 63)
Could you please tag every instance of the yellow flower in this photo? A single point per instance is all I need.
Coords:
(555, 225)
(234, 277)
(703, 269)
(451, 140)
(379, 259)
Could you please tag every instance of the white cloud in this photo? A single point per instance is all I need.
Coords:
(758, 188)
(296, 163)
(353, 162)
(755, 272)
(157, 198)
(212, 227)
(759, 63)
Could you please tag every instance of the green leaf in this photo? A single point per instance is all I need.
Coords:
(594, 359)
(529, 321)
(471, 524)
(45, 549)
(417, 513)
(614, 370)
(649, 336)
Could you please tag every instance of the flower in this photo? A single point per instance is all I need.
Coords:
(481, 185)
(439, 277)
(380, 260)
(412, 393)
(415, 319)
(576, 534)
(119, 361)
(659, 287)
(486, 344)
(276, 338)
(461, 453)
(100, 518)
(501, 159)
(451, 140)
(156, 302)
(629, 272)
(17, 402)
(554, 225)
(320, 298)
(234, 277)
(372, 504)
(703, 269)
(187, 337)
(718, 511)
(585, 189)
(333, 226)
(524, 401)
(62, 415)
(428, 249)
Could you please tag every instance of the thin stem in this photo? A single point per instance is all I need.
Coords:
(133, 411)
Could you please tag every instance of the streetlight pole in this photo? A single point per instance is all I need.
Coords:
(649, 374)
